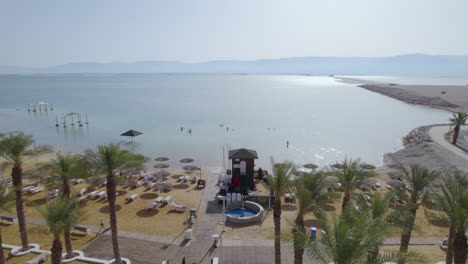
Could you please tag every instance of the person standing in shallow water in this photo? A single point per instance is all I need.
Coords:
(287, 144)
(181, 129)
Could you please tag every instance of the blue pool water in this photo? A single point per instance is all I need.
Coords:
(237, 212)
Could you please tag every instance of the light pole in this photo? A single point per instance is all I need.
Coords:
(35, 154)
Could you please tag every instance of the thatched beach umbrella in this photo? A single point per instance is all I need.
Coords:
(187, 160)
(190, 168)
(368, 166)
(161, 166)
(131, 133)
(310, 166)
(337, 166)
(161, 174)
(161, 159)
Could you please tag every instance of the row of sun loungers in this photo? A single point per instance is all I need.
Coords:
(77, 181)
(94, 195)
(178, 207)
(159, 200)
(52, 195)
(132, 197)
(32, 189)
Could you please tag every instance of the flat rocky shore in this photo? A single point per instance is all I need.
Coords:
(420, 148)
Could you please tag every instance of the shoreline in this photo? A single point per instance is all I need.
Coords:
(420, 147)
(452, 98)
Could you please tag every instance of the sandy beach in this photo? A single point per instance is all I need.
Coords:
(452, 98)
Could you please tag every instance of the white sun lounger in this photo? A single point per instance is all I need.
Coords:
(159, 199)
(181, 178)
(28, 188)
(152, 206)
(168, 199)
(36, 190)
(94, 194)
(82, 198)
(179, 207)
(132, 197)
(82, 191)
(103, 194)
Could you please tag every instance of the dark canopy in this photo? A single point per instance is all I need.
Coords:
(243, 153)
(131, 133)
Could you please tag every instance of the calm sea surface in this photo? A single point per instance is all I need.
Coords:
(323, 120)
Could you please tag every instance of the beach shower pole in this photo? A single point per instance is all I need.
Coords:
(35, 154)
(224, 160)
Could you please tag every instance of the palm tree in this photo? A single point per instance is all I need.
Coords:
(14, 148)
(303, 203)
(457, 120)
(378, 212)
(311, 194)
(59, 214)
(63, 169)
(349, 239)
(5, 202)
(107, 160)
(418, 179)
(450, 200)
(351, 175)
(279, 183)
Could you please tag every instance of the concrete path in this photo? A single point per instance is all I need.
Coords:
(200, 250)
(437, 134)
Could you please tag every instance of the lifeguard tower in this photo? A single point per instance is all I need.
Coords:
(243, 168)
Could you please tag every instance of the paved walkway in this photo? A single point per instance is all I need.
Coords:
(207, 220)
(437, 134)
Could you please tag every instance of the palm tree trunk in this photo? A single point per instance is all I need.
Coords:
(346, 199)
(460, 248)
(298, 248)
(68, 244)
(277, 222)
(16, 177)
(2, 256)
(406, 235)
(56, 251)
(449, 256)
(111, 189)
(66, 235)
(456, 131)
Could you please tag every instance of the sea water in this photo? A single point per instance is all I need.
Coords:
(323, 120)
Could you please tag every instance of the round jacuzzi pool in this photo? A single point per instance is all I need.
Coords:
(238, 212)
(244, 213)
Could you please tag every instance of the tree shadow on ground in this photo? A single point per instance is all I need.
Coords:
(147, 213)
(105, 209)
(149, 196)
(37, 202)
(180, 186)
(328, 208)
(311, 223)
(288, 207)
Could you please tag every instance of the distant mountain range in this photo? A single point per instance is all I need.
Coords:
(412, 64)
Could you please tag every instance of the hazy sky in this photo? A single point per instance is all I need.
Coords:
(43, 32)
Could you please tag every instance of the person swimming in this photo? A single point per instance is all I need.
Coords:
(190, 131)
